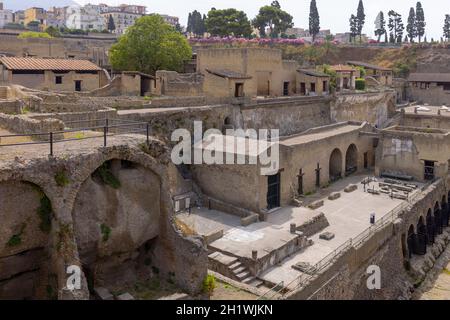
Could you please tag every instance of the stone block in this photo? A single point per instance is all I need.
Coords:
(246, 221)
(372, 191)
(350, 188)
(304, 267)
(213, 236)
(316, 204)
(176, 296)
(334, 196)
(297, 203)
(125, 296)
(326, 236)
(103, 293)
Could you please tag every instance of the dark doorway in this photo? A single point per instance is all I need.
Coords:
(318, 175)
(145, 85)
(437, 219)
(313, 87)
(239, 90)
(325, 86)
(300, 182)
(411, 241)
(421, 237)
(444, 212)
(429, 170)
(303, 88)
(430, 228)
(286, 88)
(335, 168)
(366, 160)
(77, 85)
(351, 160)
(273, 191)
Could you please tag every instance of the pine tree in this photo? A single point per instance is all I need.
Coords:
(189, 23)
(395, 27)
(314, 20)
(447, 27)
(111, 24)
(353, 27)
(411, 27)
(420, 21)
(360, 19)
(380, 25)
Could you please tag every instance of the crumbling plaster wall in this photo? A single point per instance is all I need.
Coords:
(376, 108)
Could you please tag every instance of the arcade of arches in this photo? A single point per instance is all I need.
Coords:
(428, 227)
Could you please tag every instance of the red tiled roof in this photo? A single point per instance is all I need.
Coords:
(19, 63)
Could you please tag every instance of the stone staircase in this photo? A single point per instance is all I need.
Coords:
(3, 92)
(232, 268)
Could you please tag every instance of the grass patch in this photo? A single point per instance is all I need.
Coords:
(108, 177)
(106, 232)
(446, 271)
(45, 214)
(61, 178)
(209, 284)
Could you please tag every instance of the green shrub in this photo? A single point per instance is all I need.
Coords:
(106, 232)
(209, 284)
(107, 177)
(45, 214)
(360, 84)
(61, 178)
(33, 34)
(15, 240)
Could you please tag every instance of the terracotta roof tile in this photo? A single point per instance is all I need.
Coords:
(19, 63)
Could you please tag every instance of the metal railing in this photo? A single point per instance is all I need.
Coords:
(106, 130)
(304, 278)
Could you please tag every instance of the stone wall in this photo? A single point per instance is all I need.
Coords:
(22, 124)
(425, 121)
(434, 95)
(66, 181)
(376, 108)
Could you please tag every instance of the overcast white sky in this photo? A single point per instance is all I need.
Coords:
(334, 14)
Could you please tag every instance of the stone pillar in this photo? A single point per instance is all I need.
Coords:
(254, 254)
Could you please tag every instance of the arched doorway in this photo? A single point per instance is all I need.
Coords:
(421, 237)
(351, 160)
(430, 227)
(411, 241)
(444, 212)
(335, 168)
(437, 218)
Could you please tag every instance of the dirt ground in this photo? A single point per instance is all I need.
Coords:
(224, 291)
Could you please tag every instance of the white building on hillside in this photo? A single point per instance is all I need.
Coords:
(6, 16)
(85, 18)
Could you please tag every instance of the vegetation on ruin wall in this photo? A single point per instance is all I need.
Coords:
(16, 239)
(106, 232)
(107, 176)
(45, 214)
(61, 178)
(150, 45)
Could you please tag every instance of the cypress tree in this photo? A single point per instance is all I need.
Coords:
(314, 20)
(411, 27)
(420, 21)
(360, 19)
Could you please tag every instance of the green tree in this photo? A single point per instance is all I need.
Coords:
(420, 21)
(228, 22)
(196, 23)
(360, 19)
(314, 20)
(54, 32)
(353, 27)
(277, 20)
(380, 26)
(396, 26)
(447, 27)
(150, 45)
(111, 24)
(411, 27)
